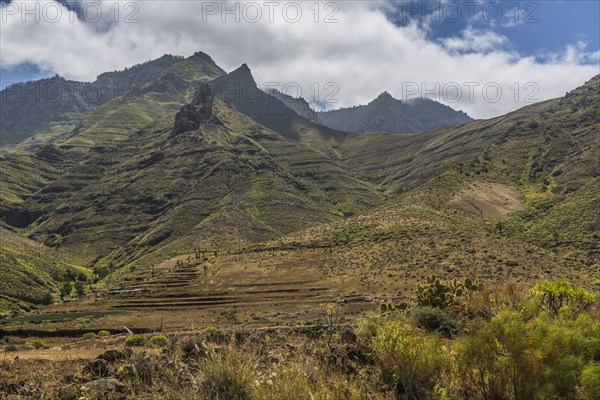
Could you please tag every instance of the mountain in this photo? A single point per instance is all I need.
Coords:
(54, 107)
(125, 186)
(298, 104)
(200, 158)
(387, 114)
(384, 114)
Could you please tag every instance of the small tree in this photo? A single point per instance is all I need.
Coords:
(65, 290)
(555, 295)
(79, 288)
(334, 315)
(47, 299)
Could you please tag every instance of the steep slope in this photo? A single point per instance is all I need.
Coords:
(200, 158)
(30, 273)
(515, 199)
(54, 171)
(531, 175)
(239, 90)
(132, 190)
(53, 107)
(386, 114)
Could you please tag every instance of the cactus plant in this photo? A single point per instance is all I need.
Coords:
(442, 294)
(389, 307)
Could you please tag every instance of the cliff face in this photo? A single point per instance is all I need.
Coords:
(192, 115)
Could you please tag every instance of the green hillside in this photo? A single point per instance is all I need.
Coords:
(197, 158)
(31, 274)
(54, 107)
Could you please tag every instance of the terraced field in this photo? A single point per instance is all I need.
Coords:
(272, 288)
(262, 288)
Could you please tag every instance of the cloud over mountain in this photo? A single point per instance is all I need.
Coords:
(354, 45)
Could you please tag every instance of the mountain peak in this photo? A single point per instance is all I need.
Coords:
(385, 96)
(243, 70)
(202, 56)
(242, 75)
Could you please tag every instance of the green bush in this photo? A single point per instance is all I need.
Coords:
(590, 381)
(210, 328)
(442, 294)
(431, 318)
(136, 341)
(553, 296)
(367, 326)
(104, 333)
(159, 341)
(38, 344)
(413, 359)
(89, 335)
(514, 355)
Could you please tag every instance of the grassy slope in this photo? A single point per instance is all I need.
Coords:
(29, 272)
(152, 196)
(235, 181)
(38, 112)
(51, 173)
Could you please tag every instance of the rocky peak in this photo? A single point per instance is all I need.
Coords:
(199, 111)
(199, 55)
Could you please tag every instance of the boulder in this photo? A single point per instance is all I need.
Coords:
(112, 356)
(67, 393)
(99, 368)
(106, 389)
(347, 335)
(192, 115)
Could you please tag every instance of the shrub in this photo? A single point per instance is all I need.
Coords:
(193, 348)
(136, 341)
(522, 356)
(159, 341)
(286, 382)
(334, 315)
(213, 334)
(431, 318)
(104, 333)
(228, 377)
(89, 335)
(38, 344)
(143, 369)
(367, 326)
(389, 307)
(590, 381)
(555, 295)
(413, 358)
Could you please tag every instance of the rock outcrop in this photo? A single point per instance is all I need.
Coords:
(192, 115)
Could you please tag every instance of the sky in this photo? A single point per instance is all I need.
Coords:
(484, 57)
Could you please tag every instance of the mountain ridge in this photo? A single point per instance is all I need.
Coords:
(382, 114)
(198, 158)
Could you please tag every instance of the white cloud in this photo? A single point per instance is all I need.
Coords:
(474, 40)
(364, 53)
